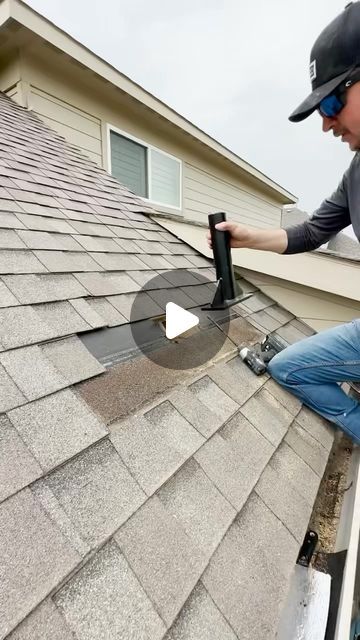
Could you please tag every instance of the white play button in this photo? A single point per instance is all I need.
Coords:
(178, 320)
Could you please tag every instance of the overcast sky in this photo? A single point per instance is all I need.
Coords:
(235, 68)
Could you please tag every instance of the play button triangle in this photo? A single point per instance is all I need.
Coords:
(178, 320)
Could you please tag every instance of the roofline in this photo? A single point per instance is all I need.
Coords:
(47, 30)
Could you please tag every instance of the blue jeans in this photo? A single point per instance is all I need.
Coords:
(313, 369)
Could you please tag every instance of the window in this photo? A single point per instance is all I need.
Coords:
(147, 171)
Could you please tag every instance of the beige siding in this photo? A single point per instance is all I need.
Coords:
(319, 309)
(205, 192)
(77, 126)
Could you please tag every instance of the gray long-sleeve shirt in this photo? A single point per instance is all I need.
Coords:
(333, 215)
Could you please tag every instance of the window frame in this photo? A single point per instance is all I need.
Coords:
(111, 128)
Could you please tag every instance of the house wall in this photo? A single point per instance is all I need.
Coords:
(319, 309)
(80, 105)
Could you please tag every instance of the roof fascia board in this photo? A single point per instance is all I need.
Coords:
(311, 269)
(45, 29)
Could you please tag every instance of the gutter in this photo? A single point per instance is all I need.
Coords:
(348, 538)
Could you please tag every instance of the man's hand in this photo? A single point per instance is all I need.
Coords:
(239, 235)
(275, 240)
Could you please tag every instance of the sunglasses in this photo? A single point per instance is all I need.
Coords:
(331, 105)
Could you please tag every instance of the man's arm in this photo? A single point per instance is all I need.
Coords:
(331, 217)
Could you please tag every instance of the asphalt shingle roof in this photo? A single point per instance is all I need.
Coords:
(136, 501)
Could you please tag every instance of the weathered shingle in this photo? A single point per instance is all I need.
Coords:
(200, 619)
(105, 600)
(165, 560)
(289, 465)
(57, 427)
(18, 466)
(96, 491)
(236, 380)
(10, 394)
(284, 501)
(107, 284)
(34, 375)
(7, 299)
(309, 449)
(34, 552)
(234, 458)
(198, 506)
(155, 446)
(203, 418)
(268, 415)
(9, 240)
(67, 261)
(49, 241)
(250, 573)
(62, 318)
(72, 359)
(209, 394)
(32, 288)
(45, 623)
(20, 262)
(318, 428)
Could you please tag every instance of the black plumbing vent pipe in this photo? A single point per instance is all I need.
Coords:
(228, 291)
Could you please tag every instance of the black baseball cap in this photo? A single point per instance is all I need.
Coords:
(335, 54)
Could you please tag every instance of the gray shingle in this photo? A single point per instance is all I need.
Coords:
(117, 261)
(57, 427)
(38, 223)
(290, 466)
(309, 449)
(179, 262)
(71, 358)
(155, 446)
(9, 240)
(67, 261)
(52, 507)
(49, 241)
(165, 560)
(34, 375)
(197, 504)
(62, 318)
(144, 307)
(286, 503)
(32, 288)
(318, 427)
(87, 312)
(88, 229)
(111, 316)
(34, 554)
(107, 284)
(44, 623)
(10, 395)
(180, 278)
(235, 379)
(290, 333)
(7, 299)
(127, 246)
(152, 247)
(176, 295)
(96, 491)
(98, 244)
(200, 619)
(19, 262)
(209, 394)
(155, 262)
(250, 573)
(121, 231)
(10, 221)
(268, 415)
(288, 400)
(264, 320)
(234, 458)
(42, 210)
(17, 466)
(279, 313)
(196, 260)
(9, 205)
(105, 601)
(257, 302)
(196, 412)
(22, 325)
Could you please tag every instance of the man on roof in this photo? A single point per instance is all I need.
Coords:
(314, 368)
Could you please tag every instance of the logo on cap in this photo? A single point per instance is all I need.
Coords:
(312, 70)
